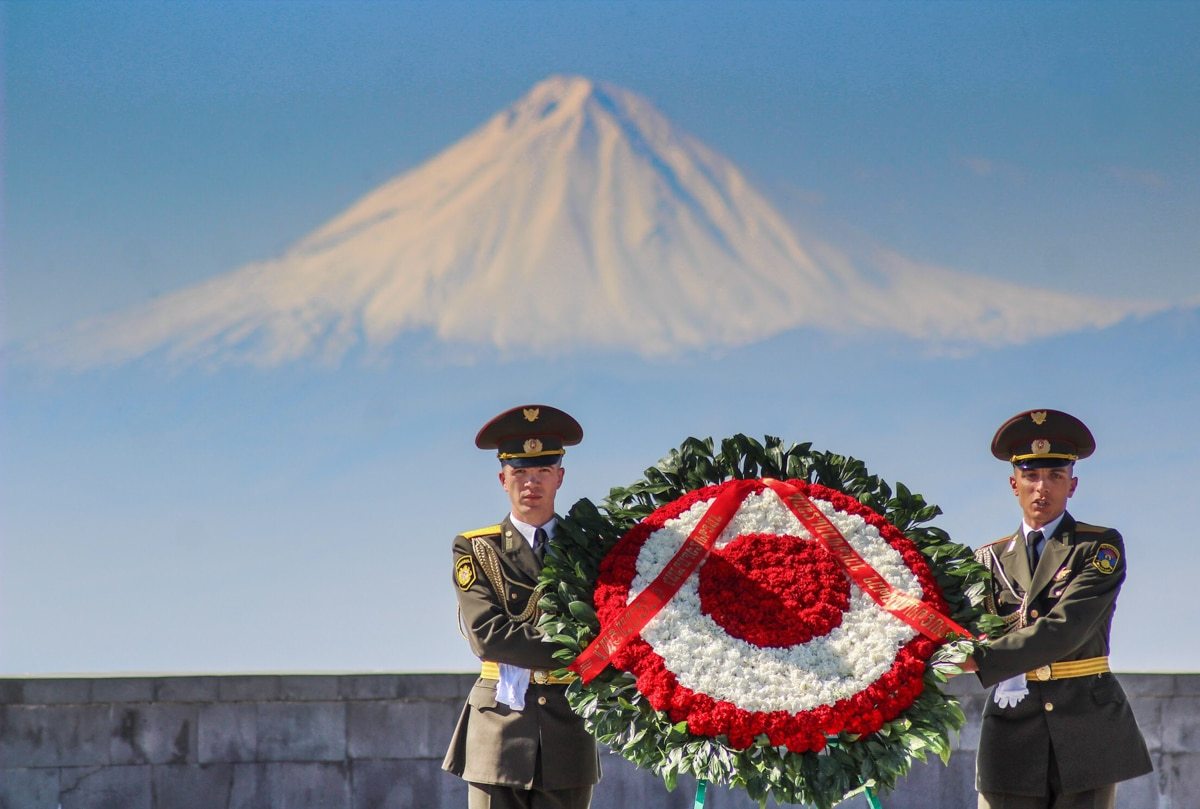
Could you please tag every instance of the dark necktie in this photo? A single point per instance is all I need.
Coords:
(539, 543)
(1033, 545)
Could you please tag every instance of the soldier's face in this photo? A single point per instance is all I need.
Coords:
(531, 491)
(1043, 493)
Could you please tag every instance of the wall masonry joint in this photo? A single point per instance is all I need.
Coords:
(355, 741)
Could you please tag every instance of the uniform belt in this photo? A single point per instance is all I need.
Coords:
(491, 671)
(1069, 668)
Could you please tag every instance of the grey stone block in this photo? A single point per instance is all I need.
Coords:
(1141, 793)
(624, 786)
(1181, 725)
(963, 686)
(300, 687)
(227, 732)
(379, 729)
(29, 788)
(369, 686)
(248, 688)
(1180, 774)
(12, 691)
(154, 733)
(302, 731)
(107, 788)
(404, 784)
(123, 689)
(291, 786)
(59, 690)
(246, 791)
(967, 739)
(54, 735)
(187, 689)
(955, 781)
(186, 786)
(449, 687)
(1149, 685)
(1149, 715)
(1186, 685)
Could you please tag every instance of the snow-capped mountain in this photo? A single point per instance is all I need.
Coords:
(579, 217)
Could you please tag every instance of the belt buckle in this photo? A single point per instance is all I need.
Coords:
(540, 677)
(1042, 674)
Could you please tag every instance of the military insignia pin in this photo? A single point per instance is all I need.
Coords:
(533, 446)
(1039, 417)
(1040, 446)
(531, 413)
(464, 572)
(1107, 558)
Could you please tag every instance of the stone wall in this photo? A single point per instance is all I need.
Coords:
(376, 742)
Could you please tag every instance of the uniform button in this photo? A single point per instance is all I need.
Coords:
(1049, 706)
(1033, 613)
(512, 595)
(541, 700)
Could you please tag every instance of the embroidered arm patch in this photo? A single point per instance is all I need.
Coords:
(1106, 559)
(464, 572)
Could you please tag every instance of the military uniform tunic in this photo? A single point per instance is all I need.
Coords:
(545, 745)
(1060, 612)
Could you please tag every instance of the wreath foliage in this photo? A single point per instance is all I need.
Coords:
(621, 717)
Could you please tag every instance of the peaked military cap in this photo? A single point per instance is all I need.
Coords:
(530, 435)
(1037, 439)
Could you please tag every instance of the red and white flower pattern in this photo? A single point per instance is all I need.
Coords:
(770, 635)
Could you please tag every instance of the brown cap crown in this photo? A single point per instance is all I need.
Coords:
(1042, 438)
(530, 435)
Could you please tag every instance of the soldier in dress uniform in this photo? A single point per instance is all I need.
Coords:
(517, 742)
(1057, 729)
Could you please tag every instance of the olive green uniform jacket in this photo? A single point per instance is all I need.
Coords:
(545, 745)
(1067, 607)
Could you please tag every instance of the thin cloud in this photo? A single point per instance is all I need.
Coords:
(979, 166)
(1141, 178)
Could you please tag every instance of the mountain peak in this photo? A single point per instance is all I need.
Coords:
(578, 217)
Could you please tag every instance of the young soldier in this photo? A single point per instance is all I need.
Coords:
(1057, 729)
(517, 743)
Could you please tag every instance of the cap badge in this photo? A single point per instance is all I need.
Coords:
(1040, 446)
(533, 446)
(1039, 417)
(531, 413)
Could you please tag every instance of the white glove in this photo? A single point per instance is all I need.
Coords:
(1010, 692)
(511, 687)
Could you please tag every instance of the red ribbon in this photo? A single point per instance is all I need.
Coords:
(638, 613)
(695, 549)
(913, 611)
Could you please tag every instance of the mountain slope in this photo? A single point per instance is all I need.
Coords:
(579, 217)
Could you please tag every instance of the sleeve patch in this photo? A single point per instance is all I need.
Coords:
(1107, 559)
(464, 572)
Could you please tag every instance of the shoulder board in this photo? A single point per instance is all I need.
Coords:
(491, 530)
(1084, 528)
(1000, 541)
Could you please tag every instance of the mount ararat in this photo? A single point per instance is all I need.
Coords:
(579, 218)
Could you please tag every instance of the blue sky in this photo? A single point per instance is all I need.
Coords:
(299, 518)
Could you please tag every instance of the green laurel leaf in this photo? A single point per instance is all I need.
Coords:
(622, 718)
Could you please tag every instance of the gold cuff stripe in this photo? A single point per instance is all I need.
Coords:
(491, 671)
(1070, 668)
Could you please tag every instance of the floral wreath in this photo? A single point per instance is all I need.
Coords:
(769, 667)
